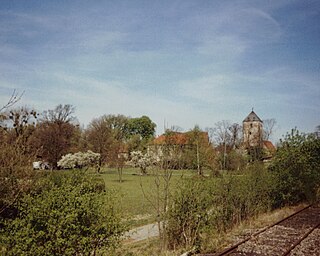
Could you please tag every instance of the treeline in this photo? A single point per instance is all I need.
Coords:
(53, 133)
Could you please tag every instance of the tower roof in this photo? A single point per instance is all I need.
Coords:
(252, 117)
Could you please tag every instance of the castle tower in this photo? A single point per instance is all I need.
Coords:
(252, 131)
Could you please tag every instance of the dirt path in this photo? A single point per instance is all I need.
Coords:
(142, 233)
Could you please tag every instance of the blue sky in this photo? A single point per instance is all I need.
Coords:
(179, 62)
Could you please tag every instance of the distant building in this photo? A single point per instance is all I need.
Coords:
(181, 139)
(253, 141)
(252, 130)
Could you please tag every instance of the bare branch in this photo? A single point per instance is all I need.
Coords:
(269, 126)
(15, 97)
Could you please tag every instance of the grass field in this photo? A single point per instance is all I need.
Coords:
(137, 193)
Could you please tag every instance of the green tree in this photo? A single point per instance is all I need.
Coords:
(142, 126)
(199, 151)
(118, 125)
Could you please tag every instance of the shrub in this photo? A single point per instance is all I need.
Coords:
(67, 218)
(296, 169)
(188, 213)
(205, 206)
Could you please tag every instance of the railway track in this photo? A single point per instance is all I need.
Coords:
(298, 234)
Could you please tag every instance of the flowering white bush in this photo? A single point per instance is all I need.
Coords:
(79, 160)
(138, 159)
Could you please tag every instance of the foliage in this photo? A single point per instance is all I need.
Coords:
(201, 206)
(188, 213)
(112, 136)
(67, 217)
(189, 150)
(79, 160)
(235, 160)
(142, 126)
(16, 175)
(143, 160)
(200, 153)
(296, 168)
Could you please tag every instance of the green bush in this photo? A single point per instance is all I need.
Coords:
(67, 217)
(238, 197)
(188, 214)
(296, 169)
(201, 206)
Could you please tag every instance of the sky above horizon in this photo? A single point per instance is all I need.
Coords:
(181, 63)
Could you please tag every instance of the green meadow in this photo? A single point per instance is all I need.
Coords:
(137, 193)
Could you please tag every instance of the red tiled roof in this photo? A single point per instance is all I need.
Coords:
(269, 146)
(177, 138)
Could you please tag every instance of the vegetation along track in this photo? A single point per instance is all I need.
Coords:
(298, 234)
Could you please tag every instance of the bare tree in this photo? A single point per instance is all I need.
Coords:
(56, 135)
(317, 131)
(60, 114)
(15, 97)
(236, 133)
(16, 177)
(223, 137)
(221, 133)
(99, 138)
(269, 126)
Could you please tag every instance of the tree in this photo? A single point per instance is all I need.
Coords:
(16, 174)
(223, 138)
(235, 135)
(118, 125)
(15, 97)
(55, 134)
(221, 133)
(317, 132)
(199, 150)
(79, 160)
(99, 138)
(141, 160)
(268, 128)
(60, 114)
(142, 126)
